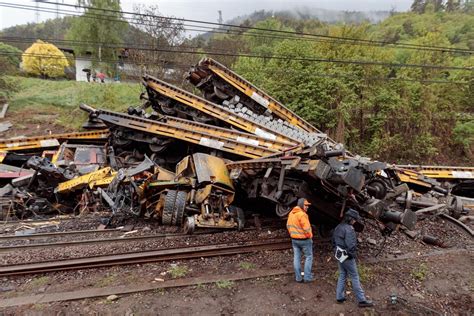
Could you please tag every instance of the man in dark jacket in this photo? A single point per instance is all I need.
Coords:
(345, 238)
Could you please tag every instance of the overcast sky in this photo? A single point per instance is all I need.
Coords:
(206, 10)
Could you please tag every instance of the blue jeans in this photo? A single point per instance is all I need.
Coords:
(305, 246)
(349, 267)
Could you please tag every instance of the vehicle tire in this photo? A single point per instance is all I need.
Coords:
(179, 206)
(168, 207)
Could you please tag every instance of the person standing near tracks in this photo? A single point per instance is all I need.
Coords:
(301, 235)
(344, 241)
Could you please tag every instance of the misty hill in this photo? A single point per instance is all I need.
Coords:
(323, 15)
(57, 28)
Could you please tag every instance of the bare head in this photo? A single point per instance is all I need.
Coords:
(303, 204)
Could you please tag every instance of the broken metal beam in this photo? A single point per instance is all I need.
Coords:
(207, 139)
(215, 110)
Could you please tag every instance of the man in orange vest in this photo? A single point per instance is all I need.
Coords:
(301, 238)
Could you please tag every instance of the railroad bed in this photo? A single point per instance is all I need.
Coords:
(146, 256)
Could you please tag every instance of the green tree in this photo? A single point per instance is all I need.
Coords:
(453, 5)
(418, 6)
(9, 58)
(9, 62)
(45, 60)
(157, 32)
(392, 114)
(99, 35)
(464, 136)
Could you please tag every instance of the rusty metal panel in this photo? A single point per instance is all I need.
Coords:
(211, 169)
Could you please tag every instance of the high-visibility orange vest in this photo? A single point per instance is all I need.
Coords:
(298, 224)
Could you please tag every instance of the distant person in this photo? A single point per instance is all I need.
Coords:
(101, 76)
(88, 74)
(301, 235)
(344, 241)
(94, 76)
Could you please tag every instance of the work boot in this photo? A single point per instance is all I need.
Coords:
(341, 301)
(309, 281)
(366, 304)
(299, 281)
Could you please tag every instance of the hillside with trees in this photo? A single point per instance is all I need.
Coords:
(404, 114)
(410, 103)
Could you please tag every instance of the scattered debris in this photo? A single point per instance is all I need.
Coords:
(431, 240)
(25, 232)
(411, 233)
(5, 126)
(112, 297)
(192, 162)
(371, 241)
(4, 111)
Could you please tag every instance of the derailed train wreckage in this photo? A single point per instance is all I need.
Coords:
(235, 149)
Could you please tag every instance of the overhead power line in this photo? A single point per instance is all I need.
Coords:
(239, 29)
(349, 39)
(187, 27)
(188, 50)
(173, 65)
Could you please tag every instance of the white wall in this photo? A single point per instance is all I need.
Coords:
(82, 64)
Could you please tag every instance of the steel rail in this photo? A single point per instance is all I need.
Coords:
(49, 140)
(109, 240)
(217, 111)
(88, 241)
(442, 172)
(145, 257)
(208, 139)
(55, 234)
(256, 94)
(241, 137)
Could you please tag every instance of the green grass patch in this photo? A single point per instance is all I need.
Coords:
(106, 281)
(160, 291)
(40, 281)
(365, 273)
(225, 284)
(420, 272)
(57, 101)
(178, 271)
(38, 307)
(247, 265)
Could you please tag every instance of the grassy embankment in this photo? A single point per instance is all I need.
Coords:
(54, 105)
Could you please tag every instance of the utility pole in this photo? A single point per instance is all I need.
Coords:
(37, 14)
(220, 21)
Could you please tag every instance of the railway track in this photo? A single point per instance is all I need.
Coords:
(45, 245)
(59, 234)
(87, 242)
(145, 257)
(53, 235)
